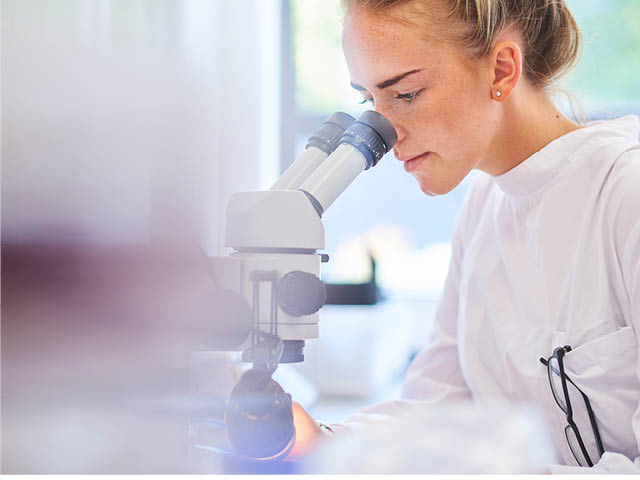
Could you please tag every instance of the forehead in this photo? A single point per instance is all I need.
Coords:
(377, 48)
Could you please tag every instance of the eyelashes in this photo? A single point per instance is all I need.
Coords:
(409, 97)
(405, 97)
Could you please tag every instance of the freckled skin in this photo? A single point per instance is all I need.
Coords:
(453, 106)
(456, 116)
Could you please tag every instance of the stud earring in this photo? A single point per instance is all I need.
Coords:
(498, 93)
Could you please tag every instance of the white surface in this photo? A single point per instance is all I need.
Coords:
(451, 438)
(273, 219)
(361, 348)
(137, 133)
(330, 409)
(270, 78)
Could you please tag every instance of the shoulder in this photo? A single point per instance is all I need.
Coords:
(622, 184)
(611, 171)
(623, 188)
(625, 174)
(626, 169)
(626, 212)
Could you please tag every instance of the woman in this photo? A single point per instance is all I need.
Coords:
(546, 252)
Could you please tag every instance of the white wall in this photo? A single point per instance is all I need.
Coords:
(127, 119)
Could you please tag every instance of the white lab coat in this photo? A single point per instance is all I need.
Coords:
(545, 255)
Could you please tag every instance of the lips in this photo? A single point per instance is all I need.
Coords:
(410, 163)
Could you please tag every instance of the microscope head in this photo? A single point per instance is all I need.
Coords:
(277, 236)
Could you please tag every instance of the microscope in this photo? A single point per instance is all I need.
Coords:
(269, 290)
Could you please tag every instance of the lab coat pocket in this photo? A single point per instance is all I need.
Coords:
(605, 369)
(599, 349)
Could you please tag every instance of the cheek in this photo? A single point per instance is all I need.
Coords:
(438, 121)
(460, 117)
(461, 104)
(454, 125)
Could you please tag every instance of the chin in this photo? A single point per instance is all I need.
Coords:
(433, 189)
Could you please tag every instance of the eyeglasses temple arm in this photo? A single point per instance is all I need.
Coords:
(588, 404)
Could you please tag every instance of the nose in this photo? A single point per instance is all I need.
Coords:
(400, 130)
(402, 134)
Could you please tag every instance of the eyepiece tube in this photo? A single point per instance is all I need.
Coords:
(361, 147)
(319, 146)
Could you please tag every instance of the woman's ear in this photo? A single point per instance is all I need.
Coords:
(506, 59)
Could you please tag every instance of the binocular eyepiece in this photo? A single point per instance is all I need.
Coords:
(336, 154)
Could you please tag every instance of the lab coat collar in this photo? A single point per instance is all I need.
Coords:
(541, 168)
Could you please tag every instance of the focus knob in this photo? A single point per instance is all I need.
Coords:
(301, 293)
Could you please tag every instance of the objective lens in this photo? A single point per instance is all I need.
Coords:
(259, 417)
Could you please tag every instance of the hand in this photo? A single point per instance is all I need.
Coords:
(307, 432)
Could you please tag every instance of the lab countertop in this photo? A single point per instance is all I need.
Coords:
(337, 408)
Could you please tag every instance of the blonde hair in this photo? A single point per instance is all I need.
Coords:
(551, 38)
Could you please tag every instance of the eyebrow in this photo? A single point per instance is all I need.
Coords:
(389, 82)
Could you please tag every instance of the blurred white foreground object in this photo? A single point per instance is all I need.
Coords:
(454, 438)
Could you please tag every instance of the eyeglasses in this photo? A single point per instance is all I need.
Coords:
(558, 380)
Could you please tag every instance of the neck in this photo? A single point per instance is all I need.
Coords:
(529, 121)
